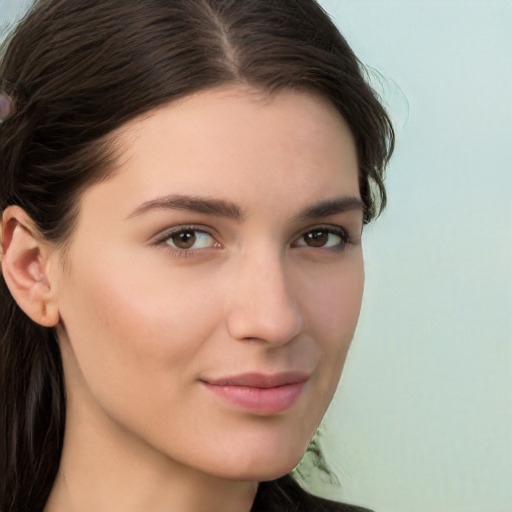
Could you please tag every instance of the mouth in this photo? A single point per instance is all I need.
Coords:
(259, 393)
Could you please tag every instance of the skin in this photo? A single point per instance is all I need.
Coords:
(142, 324)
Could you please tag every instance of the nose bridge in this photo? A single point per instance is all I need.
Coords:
(264, 306)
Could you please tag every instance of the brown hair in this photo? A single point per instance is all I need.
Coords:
(79, 69)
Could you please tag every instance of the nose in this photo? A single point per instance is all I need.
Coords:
(263, 305)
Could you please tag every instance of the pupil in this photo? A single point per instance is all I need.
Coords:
(185, 239)
(317, 238)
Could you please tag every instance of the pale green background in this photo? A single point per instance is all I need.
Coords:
(423, 419)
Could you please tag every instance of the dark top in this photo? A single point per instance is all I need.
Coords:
(286, 495)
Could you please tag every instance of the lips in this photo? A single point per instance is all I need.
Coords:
(259, 393)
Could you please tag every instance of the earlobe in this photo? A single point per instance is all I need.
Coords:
(25, 267)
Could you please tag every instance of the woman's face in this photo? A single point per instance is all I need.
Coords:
(213, 284)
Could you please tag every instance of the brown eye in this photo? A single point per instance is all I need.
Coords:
(184, 239)
(189, 238)
(324, 238)
(316, 238)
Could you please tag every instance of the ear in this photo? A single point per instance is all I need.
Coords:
(26, 267)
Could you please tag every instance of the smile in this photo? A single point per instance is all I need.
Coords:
(260, 394)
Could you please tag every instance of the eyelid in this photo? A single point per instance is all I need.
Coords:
(160, 240)
(337, 230)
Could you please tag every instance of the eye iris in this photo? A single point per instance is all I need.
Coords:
(184, 239)
(316, 238)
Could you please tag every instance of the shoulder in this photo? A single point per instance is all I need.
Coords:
(286, 495)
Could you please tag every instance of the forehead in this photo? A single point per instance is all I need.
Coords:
(240, 145)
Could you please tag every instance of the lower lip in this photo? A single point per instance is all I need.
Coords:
(264, 401)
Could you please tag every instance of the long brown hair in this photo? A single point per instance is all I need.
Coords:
(79, 69)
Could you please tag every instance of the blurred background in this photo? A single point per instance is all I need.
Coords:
(422, 421)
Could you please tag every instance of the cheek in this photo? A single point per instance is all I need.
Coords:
(132, 333)
(333, 312)
(334, 303)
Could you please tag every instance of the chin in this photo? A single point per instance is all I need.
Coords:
(262, 466)
(264, 474)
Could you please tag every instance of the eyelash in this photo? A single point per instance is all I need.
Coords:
(329, 230)
(162, 240)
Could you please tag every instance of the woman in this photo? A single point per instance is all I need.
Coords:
(184, 185)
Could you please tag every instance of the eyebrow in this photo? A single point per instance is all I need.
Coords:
(332, 207)
(227, 209)
(217, 207)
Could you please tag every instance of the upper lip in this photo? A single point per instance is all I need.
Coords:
(261, 380)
